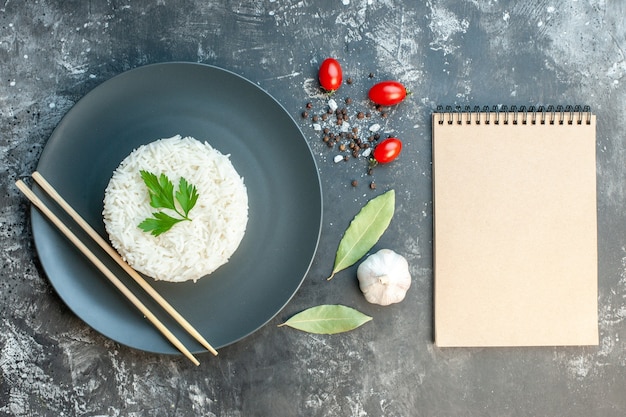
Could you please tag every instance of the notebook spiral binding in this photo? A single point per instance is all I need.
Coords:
(559, 115)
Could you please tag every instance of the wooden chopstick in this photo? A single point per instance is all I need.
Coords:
(107, 272)
(48, 188)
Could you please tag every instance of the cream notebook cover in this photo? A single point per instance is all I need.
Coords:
(515, 229)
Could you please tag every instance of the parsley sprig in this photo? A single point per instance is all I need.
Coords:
(162, 196)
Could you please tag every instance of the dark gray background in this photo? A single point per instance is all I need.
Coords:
(447, 52)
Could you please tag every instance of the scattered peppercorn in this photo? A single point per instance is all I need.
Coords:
(343, 135)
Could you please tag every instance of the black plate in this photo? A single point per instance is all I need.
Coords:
(267, 149)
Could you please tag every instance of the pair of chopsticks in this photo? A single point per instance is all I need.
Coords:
(37, 202)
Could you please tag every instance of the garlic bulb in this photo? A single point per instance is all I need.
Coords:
(384, 277)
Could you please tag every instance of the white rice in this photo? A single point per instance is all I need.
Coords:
(190, 249)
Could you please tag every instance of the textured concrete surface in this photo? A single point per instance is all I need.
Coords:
(448, 52)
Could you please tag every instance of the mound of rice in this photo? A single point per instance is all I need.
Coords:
(190, 249)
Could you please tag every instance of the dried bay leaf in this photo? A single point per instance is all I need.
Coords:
(327, 319)
(364, 230)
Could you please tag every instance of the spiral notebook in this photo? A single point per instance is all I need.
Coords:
(515, 229)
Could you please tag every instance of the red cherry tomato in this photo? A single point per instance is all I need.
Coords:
(330, 74)
(387, 93)
(387, 150)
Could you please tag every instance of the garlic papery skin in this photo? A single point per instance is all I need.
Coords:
(384, 277)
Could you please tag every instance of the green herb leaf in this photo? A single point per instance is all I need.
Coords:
(187, 195)
(161, 190)
(162, 196)
(161, 223)
(327, 319)
(364, 230)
